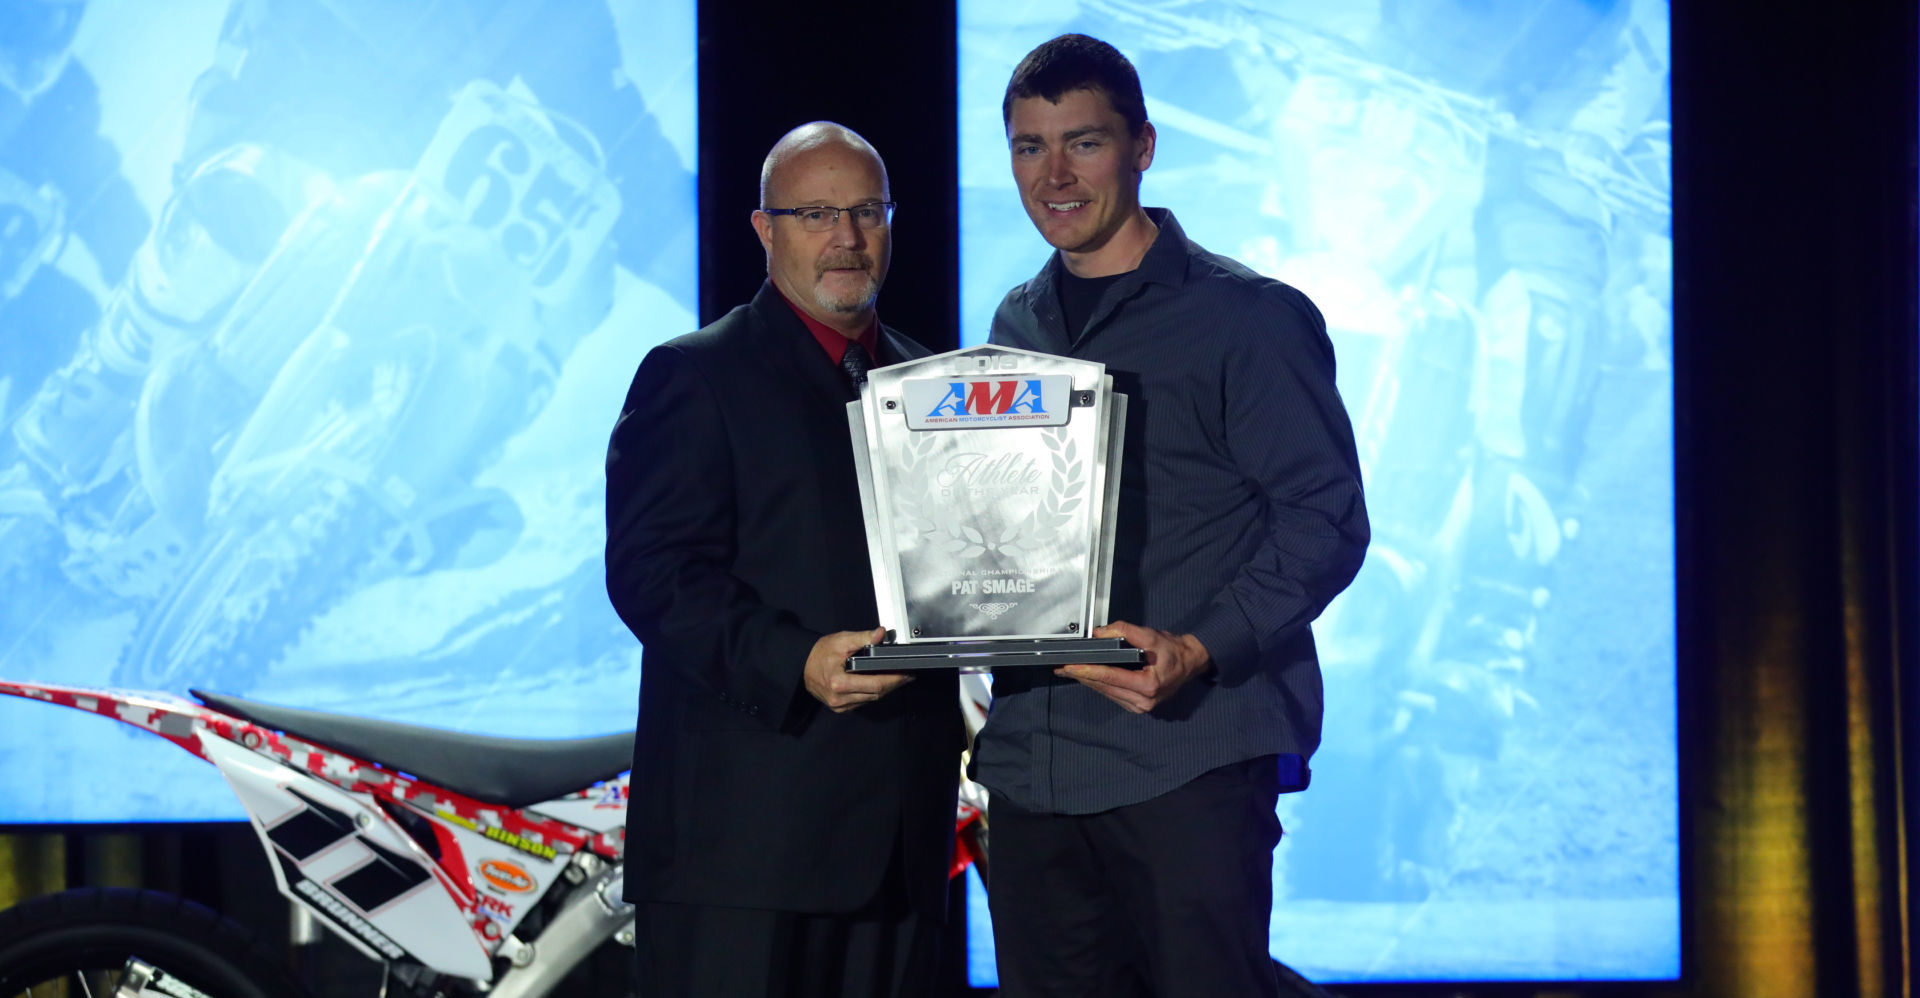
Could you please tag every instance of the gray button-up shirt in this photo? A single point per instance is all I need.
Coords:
(1241, 517)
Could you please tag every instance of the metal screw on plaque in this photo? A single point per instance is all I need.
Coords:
(1073, 628)
(916, 632)
(892, 405)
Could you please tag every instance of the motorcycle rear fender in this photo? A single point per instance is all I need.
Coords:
(162, 714)
(339, 856)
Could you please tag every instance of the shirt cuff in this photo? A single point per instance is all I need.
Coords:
(1230, 643)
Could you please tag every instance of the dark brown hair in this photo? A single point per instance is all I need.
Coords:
(1077, 62)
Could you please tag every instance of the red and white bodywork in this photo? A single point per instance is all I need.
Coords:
(400, 867)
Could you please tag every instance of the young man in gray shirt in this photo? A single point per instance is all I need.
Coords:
(1133, 810)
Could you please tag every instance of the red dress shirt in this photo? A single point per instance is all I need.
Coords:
(832, 340)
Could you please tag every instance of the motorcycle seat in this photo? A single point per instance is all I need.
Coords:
(510, 772)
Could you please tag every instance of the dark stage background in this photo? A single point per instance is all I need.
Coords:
(1795, 330)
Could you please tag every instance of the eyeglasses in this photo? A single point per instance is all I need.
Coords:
(820, 218)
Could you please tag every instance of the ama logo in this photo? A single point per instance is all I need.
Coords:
(990, 398)
(1009, 400)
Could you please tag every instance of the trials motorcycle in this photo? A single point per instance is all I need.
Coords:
(464, 864)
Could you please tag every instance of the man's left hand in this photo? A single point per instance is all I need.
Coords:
(1172, 659)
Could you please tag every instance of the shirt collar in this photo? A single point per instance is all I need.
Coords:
(1165, 262)
(832, 340)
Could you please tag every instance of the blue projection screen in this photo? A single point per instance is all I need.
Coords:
(314, 318)
(1477, 195)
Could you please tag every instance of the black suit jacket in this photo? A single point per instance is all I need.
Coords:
(734, 541)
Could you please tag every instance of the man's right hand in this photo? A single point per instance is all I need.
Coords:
(829, 681)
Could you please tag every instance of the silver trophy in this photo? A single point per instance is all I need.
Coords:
(989, 478)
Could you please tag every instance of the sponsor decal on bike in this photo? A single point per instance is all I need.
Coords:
(501, 835)
(340, 913)
(383, 878)
(496, 909)
(507, 876)
(614, 797)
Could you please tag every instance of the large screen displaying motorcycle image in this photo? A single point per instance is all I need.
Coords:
(1477, 197)
(314, 317)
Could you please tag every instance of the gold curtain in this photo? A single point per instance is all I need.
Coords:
(31, 865)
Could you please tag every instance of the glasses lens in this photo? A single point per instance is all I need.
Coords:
(871, 215)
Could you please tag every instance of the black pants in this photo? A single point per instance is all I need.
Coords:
(1169, 897)
(883, 950)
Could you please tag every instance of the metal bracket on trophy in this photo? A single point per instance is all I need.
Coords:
(989, 478)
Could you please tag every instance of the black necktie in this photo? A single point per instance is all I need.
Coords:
(854, 364)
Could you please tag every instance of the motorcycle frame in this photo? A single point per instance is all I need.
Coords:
(405, 870)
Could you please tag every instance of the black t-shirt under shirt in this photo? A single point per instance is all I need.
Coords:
(1079, 296)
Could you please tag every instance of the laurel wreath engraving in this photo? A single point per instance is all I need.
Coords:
(1065, 486)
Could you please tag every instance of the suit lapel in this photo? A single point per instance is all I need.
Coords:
(792, 350)
(896, 347)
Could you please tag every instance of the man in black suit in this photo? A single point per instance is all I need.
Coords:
(790, 822)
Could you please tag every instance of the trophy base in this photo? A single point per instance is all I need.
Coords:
(980, 656)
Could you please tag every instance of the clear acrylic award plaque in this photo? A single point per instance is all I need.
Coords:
(989, 478)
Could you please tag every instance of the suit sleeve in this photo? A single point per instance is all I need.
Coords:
(1288, 433)
(671, 540)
